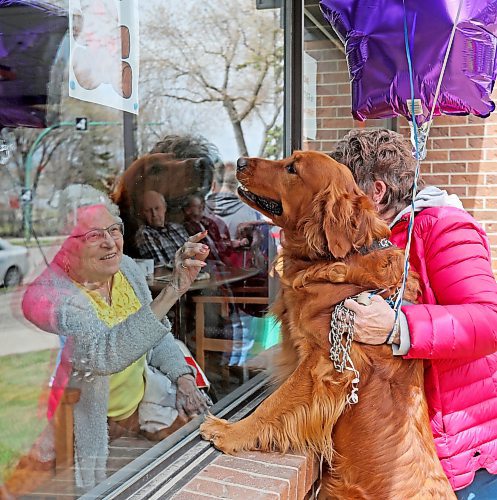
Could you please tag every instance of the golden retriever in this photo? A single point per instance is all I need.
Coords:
(382, 447)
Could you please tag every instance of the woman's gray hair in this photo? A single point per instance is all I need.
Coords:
(77, 196)
(380, 154)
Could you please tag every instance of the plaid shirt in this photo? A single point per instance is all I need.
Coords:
(160, 244)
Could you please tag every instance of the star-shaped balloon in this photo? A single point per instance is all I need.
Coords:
(373, 34)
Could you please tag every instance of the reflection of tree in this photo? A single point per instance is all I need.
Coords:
(63, 157)
(220, 53)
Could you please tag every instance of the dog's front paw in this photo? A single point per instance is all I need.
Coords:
(222, 434)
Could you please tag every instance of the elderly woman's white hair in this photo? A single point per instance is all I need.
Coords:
(77, 196)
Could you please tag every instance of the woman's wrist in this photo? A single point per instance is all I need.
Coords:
(163, 303)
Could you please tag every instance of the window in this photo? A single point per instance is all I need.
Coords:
(153, 114)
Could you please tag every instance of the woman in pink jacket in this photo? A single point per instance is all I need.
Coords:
(454, 325)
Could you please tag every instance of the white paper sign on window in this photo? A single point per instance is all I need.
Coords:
(309, 97)
(104, 59)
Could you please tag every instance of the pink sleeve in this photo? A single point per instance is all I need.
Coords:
(463, 323)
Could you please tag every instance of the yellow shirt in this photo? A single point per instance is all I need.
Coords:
(126, 387)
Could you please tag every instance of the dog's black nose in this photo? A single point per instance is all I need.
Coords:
(241, 163)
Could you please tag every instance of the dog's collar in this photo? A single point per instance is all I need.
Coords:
(376, 245)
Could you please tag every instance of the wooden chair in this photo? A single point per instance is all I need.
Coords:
(204, 343)
(64, 429)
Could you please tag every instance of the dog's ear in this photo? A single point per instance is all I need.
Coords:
(340, 223)
(328, 228)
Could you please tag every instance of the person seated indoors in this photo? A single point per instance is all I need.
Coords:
(158, 239)
(220, 244)
(97, 300)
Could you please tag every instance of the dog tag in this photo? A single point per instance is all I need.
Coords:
(363, 298)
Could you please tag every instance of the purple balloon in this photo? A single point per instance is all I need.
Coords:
(373, 34)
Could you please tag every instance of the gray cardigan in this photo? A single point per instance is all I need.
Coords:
(55, 304)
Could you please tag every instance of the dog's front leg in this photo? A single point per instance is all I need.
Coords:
(299, 415)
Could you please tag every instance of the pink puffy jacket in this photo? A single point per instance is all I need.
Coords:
(454, 329)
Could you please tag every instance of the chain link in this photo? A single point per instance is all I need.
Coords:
(342, 325)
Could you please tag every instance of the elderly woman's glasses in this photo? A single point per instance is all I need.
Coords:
(95, 236)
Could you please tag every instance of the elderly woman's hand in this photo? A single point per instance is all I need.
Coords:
(189, 400)
(372, 323)
(188, 262)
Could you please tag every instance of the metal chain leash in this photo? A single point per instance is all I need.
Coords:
(342, 325)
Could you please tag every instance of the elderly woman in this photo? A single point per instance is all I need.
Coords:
(98, 301)
(453, 328)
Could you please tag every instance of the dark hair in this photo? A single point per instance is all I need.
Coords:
(379, 154)
(187, 146)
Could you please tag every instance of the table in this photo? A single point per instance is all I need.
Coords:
(217, 278)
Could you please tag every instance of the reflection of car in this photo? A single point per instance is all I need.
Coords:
(13, 263)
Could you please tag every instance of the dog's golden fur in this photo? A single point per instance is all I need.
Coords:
(382, 447)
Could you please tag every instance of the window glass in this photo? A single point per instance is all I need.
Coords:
(119, 141)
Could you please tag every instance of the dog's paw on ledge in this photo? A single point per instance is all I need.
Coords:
(225, 436)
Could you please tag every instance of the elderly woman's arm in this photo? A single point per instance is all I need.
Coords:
(54, 305)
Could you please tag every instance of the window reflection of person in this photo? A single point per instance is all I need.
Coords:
(158, 239)
(195, 221)
(98, 301)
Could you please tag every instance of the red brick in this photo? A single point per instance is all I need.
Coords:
(450, 167)
(485, 142)
(312, 472)
(478, 120)
(242, 478)
(458, 190)
(288, 466)
(190, 495)
(491, 179)
(491, 129)
(340, 100)
(327, 135)
(491, 227)
(485, 215)
(490, 202)
(439, 132)
(482, 166)
(226, 490)
(449, 120)
(449, 143)
(338, 123)
(480, 191)
(344, 88)
(437, 155)
(492, 238)
(473, 203)
(343, 111)
(468, 154)
(327, 66)
(467, 130)
(467, 179)
(436, 180)
(327, 112)
(490, 154)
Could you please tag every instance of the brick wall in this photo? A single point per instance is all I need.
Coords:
(254, 476)
(462, 150)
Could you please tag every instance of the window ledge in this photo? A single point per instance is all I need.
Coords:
(253, 475)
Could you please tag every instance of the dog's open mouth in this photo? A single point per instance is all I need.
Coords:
(270, 206)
